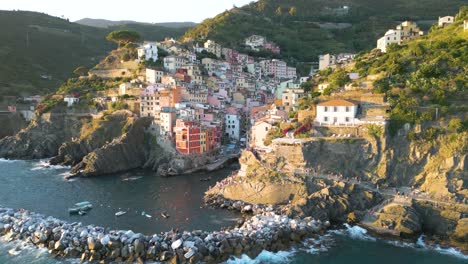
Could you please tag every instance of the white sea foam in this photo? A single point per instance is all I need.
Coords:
(357, 232)
(264, 257)
(451, 251)
(44, 165)
(2, 160)
(319, 245)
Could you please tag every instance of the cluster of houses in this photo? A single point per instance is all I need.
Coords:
(199, 102)
(332, 61)
(256, 43)
(409, 30)
(405, 31)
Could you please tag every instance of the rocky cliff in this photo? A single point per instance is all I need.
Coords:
(11, 124)
(94, 135)
(124, 153)
(43, 137)
(301, 180)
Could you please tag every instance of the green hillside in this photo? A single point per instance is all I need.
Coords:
(307, 28)
(34, 44)
(426, 78)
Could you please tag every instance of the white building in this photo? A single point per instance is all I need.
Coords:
(255, 42)
(71, 100)
(446, 20)
(213, 47)
(465, 25)
(172, 63)
(391, 36)
(232, 125)
(326, 60)
(153, 76)
(149, 50)
(336, 112)
(258, 133)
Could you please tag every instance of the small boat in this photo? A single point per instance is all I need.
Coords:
(81, 208)
(131, 179)
(205, 179)
(147, 215)
(86, 203)
(120, 213)
(165, 215)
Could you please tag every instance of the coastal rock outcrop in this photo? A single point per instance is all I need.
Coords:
(44, 135)
(12, 123)
(122, 154)
(93, 135)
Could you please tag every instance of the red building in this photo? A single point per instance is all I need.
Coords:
(188, 135)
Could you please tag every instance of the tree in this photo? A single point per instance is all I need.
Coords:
(81, 71)
(279, 11)
(123, 36)
(292, 11)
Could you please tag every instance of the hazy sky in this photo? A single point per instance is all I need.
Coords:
(140, 10)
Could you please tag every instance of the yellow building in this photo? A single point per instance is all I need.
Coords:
(410, 30)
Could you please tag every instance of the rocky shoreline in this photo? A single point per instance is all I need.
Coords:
(265, 231)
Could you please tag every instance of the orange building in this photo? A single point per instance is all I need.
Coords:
(188, 136)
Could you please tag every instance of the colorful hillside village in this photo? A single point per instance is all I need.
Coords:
(202, 97)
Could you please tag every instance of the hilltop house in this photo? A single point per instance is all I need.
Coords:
(405, 31)
(255, 42)
(336, 112)
(391, 36)
(71, 100)
(465, 25)
(446, 20)
(410, 30)
(149, 50)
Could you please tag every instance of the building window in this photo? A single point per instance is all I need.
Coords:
(326, 109)
(347, 119)
(266, 128)
(347, 109)
(335, 109)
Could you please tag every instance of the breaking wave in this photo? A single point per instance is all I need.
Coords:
(264, 257)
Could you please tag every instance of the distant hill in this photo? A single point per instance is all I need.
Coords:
(306, 28)
(38, 52)
(103, 23)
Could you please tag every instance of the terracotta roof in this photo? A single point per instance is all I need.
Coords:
(337, 102)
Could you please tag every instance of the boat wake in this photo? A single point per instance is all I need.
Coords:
(7, 160)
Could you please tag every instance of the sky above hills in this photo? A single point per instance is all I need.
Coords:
(150, 11)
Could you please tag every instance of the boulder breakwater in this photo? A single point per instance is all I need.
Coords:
(265, 231)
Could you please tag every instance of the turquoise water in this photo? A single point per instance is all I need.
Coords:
(27, 184)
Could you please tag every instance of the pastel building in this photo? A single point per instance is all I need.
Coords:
(153, 76)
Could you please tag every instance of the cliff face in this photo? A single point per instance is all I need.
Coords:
(409, 161)
(11, 124)
(123, 153)
(94, 135)
(43, 137)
